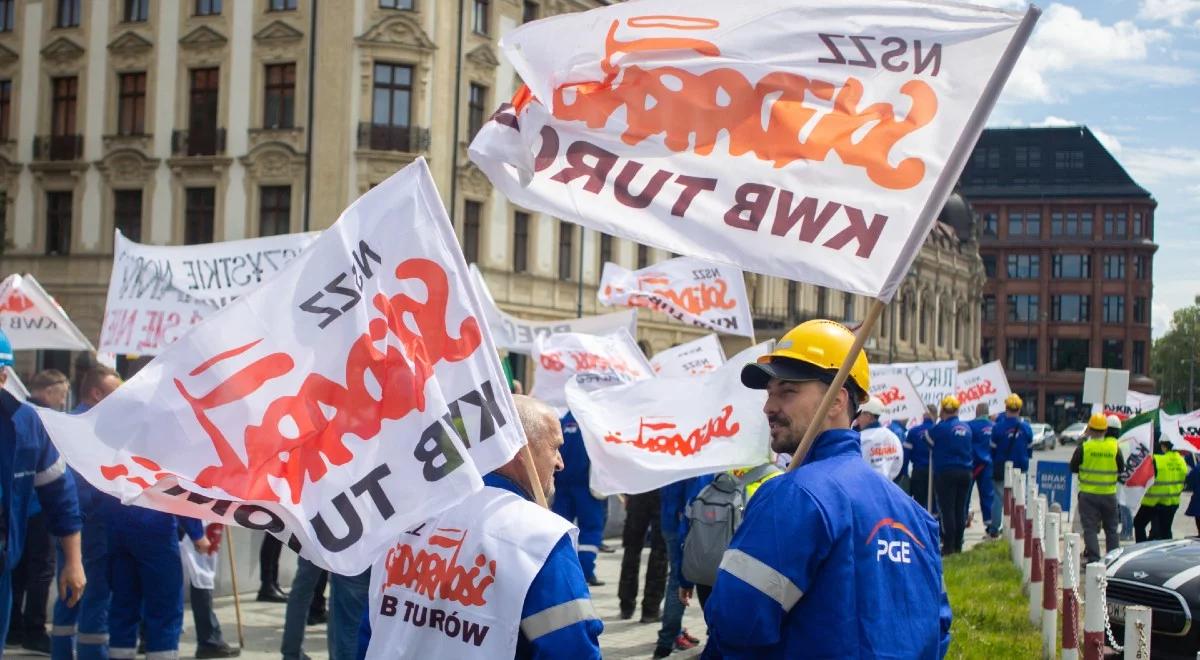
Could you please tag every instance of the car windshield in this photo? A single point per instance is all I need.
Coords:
(1077, 426)
(1039, 428)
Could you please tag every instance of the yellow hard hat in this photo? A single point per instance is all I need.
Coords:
(950, 402)
(813, 350)
(1013, 402)
(1098, 422)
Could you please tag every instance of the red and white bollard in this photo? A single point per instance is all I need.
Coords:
(1070, 597)
(1094, 614)
(1035, 560)
(1006, 521)
(1017, 523)
(1030, 506)
(1137, 632)
(1050, 587)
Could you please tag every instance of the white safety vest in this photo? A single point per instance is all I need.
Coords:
(454, 586)
(882, 449)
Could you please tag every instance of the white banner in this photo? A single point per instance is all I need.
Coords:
(687, 289)
(158, 292)
(14, 386)
(517, 336)
(1137, 449)
(356, 393)
(696, 357)
(1136, 403)
(983, 384)
(33, 320)
(933, 380)
(1182, 430)
(900, 399)
(804, 139)
(645, 435)
(600, 361)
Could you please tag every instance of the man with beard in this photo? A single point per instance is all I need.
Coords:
(821, 542)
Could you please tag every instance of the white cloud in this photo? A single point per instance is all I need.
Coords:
(1174, 12)
(1108, 140)
(1156, 166)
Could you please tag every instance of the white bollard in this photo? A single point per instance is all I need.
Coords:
(1094, 614)
(1030, 506)
(1137, 632)
(1050, 588)
(1017, 528)
(1070, 595)
(1005, 521)
(1035, 561)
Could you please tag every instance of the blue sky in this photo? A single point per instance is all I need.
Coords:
(1129, 70)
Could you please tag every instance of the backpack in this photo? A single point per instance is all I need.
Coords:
(713, 516)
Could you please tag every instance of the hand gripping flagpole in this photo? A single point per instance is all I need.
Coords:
(839, 380)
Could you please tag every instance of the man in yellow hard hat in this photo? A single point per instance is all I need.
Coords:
(819, 543)
(1098, 462)
(1012, 439)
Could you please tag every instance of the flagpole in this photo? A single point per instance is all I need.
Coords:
(839, 380)
(237, 599)
(535, 482)
(579, 294)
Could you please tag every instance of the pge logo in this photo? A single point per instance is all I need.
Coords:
(895, 551)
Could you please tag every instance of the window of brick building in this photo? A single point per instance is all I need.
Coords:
(1025, 223)
(1112, 354)
(279, 97)
(1141, 267)
(1114, 266)
(1023, 307)
(1072, 267)
(274, 210)
(989, 265)
(127, 213)
(1022, 355)
(1071, 224)
(1115, 224)
(520, 241)
(1141, 310)
(1068, 354)
(988, 308)
(991, 224)
(987, 349)
(1114, 309)
(1070, 308)
(1139, 357)
(1024, 266)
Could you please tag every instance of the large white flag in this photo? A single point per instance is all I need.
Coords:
(158, 292)
(687, 289)
(696, 357)
(933, 380)
(356, 393)
(600, 361)
(900, 399)
(983, 384)
(1136, 403)
(645, 435)
(805, 139)
(1137, 449)
(33, 320)
(1182, 430)
(517, 335)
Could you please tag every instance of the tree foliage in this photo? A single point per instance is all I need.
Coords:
(1173, 358)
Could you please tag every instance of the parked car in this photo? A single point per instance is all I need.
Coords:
(1164, 576)
(1043, 436)
(1073, 433)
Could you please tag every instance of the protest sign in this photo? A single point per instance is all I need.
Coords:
(1137, 449)
(933, 380)
(900, 399)
(33, 320)
(158, 292)
(1182, 430)
(983, 384)
(699, 356)
(808, 140)
(1054, 481)
(687, 289)
(517, 335)
(356, 393)
(599, 361)
(644, 435)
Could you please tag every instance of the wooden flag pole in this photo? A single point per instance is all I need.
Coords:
(839, 380)
(539, 494)
(237, 599)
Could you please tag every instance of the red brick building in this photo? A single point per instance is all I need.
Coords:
(1067, 241)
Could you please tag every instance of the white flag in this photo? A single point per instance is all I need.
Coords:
(933, 380)
(600, 361)
(1136, 403)
(687, 289)
(804, 139)
(900, 399)
(645, 435)
(158, 292)
(356, 393)
(517, 335)
(33, 320)
(984, 384)
(696, 357)
(1182, 430)
(1137, 449)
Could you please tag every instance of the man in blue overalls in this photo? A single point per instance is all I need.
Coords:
(573, 498)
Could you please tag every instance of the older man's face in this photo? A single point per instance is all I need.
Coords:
(545, 449)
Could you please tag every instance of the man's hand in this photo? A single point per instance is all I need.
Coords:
(72, 581)
(685, 596)
(203, 546)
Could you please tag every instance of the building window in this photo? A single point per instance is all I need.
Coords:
(1114, 224)
(1141, 310)
(68, 13)
(1139, 224)
(482, 7)
(137, 11)
(793, 302)
(1022, 355)
(472, 213)
(1112, 354)
(6, 15)
(1114, 309)
(566, 248)
(58, 223)
(1139, 357)
(279, 102)
(1024, 266)
(62, 121)
(1070, 308)
(1068, 160)
(131, 104)
(848, 309)
(1141, 267)
(520, 242)
(906, 308)
(282, 5)
(643, 256)
(203, 111)
(823, 302)
(1076, 224)
(199, 225)
(987, 349)
(208, 7)
(606, 250)
(989, 265)
(988, 307)
(127, 213)
(991, 224)
(476, 109)
(1072, 266)
(1025, 223)
(1114, 266)
(396, 4)
(1028, 157)
(1068, 354)
(1023, 307)
(5, 108)
(391, 107)
(530, 11)
(274, 210)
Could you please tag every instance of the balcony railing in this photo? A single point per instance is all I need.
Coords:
(387, 137)
(198, 143)
(57, 147)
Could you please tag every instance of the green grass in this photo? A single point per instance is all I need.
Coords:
(991, 615)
